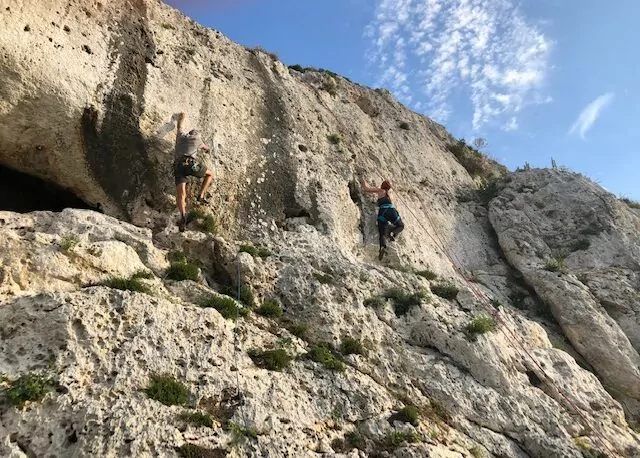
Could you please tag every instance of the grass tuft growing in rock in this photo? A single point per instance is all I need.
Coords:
(226, 306)
(256, 252)
(197, 419)
(351, 346)
(630, 202)
(273, 360)
(374, 302)
(395, 439)
(404, 125)
(241, 433)
(477, 452)
(184, 270)
(403, 302)
(324, 278)
(445, 290)
(481, 324)
(555, 265)
(298, 329)
(132, 283)
(324, 354)
(427, 274)
(196, 451)
(352, 439)
(334, 139)
(167, 390)
(69, 242)
(30, 387)
(409, 414)
(270, 309)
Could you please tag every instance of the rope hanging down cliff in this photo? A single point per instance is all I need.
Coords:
(485, 302)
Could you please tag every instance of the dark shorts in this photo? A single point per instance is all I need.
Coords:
(188, 167)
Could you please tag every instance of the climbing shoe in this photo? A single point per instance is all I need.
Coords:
(383, 251)
(203, 200)
(392, 237)
(182, 225)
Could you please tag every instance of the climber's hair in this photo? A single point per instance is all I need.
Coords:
(386, 185)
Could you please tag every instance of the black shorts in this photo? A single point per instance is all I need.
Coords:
(188, 167)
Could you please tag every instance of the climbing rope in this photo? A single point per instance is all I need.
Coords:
(236, 345)
(485, 302)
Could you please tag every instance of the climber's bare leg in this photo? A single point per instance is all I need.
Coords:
(206, 182)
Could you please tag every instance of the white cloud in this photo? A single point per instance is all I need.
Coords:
(590, 114)
(484, 50)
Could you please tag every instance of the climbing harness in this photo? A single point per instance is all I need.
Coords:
(381, 215)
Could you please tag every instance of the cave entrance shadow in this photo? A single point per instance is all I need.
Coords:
(23, 193)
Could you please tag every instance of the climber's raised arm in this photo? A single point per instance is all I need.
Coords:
(180, 121)
(366, 188)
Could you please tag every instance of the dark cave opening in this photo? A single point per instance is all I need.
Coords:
(23, 193)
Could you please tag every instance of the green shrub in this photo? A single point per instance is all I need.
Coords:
(197, 419)
(427, 274)
(241, 433)
(256, 252)
(395, 439)
(477, 452)
(28, 388)
(69, 242)
(324, 278)
(208, 224)
(195, 451)
(270, 309)
(351, 346)
(489, 189)
(375, 302)
(409, 414)
(403, 301)
(481, 324)
(445, 290)
(127, 284)
(167, 26)
(196, 213)
(352, 440)
(177, 256)
(273, 360)
(298, 329)
(324, 354)
(297, 68)
(180, 271)
(330, 86)
(404, 125)
(334, 139)
(143, 274)
(581, 245)
(167, 390)
(260, 49)
(438, 412)
(226, 306)
(555, 265)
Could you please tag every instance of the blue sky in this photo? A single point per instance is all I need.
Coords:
(537, 78)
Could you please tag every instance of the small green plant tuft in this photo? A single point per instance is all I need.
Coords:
(298, 329)
(352, 440)
(324, 354)
(477, 452)
(143, 274)
(256, 252)
(273, 360)
(445, 290)
(630, 202)
(127, 284)
(403, 302)
(176, 256)
(196, 451)
(481, 324)
(375, 302)
(581, 245)
(270, 309)
(334, 139)
(241, 433)
(30, 387)
(226, 306)
(427, 274)
(330, 86)
(555, 265)
(409, 414)
(208, 224)
(351, 346)
(167, 390)
(395, 439)
(167, 26)
(197, 419)
(404, 125)
(181, 271)
(297, 68)
(69, 242)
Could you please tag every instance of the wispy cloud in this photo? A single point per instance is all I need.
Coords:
(437, 50)
(590, 114)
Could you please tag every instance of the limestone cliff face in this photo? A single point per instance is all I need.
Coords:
(86, 98)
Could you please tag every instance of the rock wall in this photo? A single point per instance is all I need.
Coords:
(86, 98)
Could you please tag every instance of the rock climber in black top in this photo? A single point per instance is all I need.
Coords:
(389, 222)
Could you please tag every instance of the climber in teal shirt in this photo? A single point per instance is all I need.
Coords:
(389, 222)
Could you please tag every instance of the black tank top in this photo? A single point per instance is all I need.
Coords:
(384, 200)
